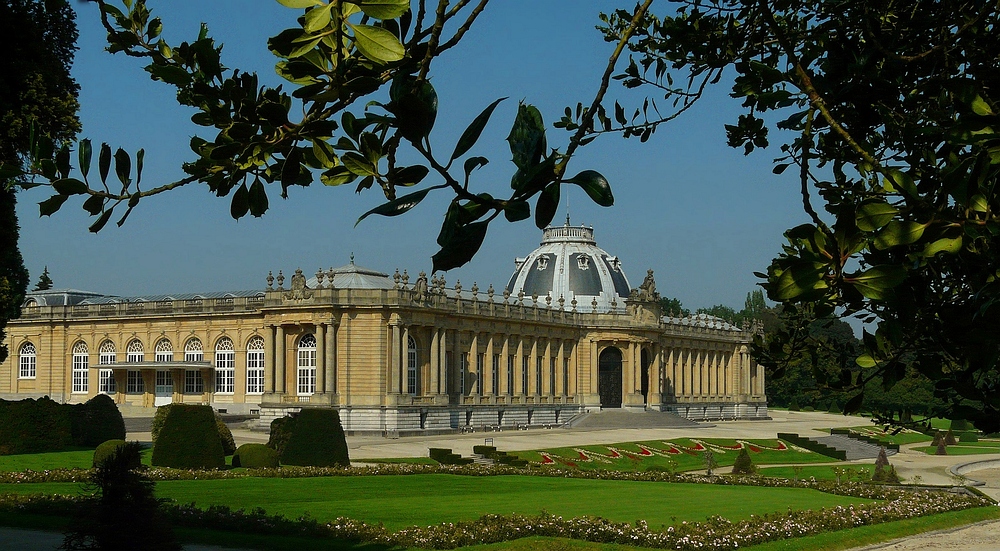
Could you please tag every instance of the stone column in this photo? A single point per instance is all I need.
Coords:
(745, 372)
(487, 377)
(505, 367)
(279, 360)
(561, 371)
(435, 356)
(473, 367)
(395, 356)
(656, 377)
(320, 358)
(269, 359)
(533, 368)
(546, 368)
(443, 362)
(404, 371)
(518, 367)
(331, 359)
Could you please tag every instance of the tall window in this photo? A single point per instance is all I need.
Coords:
(565, 377)
(194, 383)
(105, 376)
(81, 364)
(510, 375)
(480, 367)
(193, 351)
(538, 376)
(164, 351)
(411, 366)
(463, 366)
(225, 366)
(307, 365)
(26, 361)
(552, 376)
(255, 365)
(134, 384)
(496, 374)
(133, 352)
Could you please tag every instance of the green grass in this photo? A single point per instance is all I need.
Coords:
(631, 457)
(818, 472)
(965, 448)
(399, 460)
(82, 458)
(904, 436)
(400, 501)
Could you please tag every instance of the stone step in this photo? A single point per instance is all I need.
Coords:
(855, 449)
(479, 459)
(625, 419)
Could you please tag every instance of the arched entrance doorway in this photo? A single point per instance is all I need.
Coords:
(644, 363)
(609, 381)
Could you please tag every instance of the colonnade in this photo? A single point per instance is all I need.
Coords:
(712, 373)
(276, 368)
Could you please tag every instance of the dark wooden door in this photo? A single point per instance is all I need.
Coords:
(609, 382)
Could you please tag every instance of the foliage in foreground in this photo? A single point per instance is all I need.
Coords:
(42, 425)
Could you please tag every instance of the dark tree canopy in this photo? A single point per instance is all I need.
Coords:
(44, 281)
(37, 96)
(891, 116)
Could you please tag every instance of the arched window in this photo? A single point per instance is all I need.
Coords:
(411, 366)
(164, 351)
(225, 366)
(105, 376)
(134, 352)
(255, 365)
(193, 351)
(26, 361)
(81, 364)
(307, 365)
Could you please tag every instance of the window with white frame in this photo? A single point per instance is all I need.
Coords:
(255, 365)
(164, 351)
(510, 375)
(524, 374)
(81, 366)
(480, 367)
(306, 365)
(134, 352)
(105, 376)
(496, 374)
(225, 366)
(411, 366)
(193, 351)
(193, 382)
(26, 361)
(463, 366)
(133, 382)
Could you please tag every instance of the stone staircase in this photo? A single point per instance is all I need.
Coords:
(480, 459)
(625, 419)
(855, 449)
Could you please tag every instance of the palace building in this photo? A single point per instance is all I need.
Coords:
(395, 354)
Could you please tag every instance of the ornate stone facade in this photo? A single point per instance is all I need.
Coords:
(393, 356)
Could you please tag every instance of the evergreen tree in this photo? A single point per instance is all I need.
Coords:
(44, 281)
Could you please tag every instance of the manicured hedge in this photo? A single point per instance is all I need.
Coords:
(312, 437)
(107, 449)
(743, 463)
(43, 425)
(445, 457)
(255, 456)
(812, 445)
(228, 444)
(189, 439)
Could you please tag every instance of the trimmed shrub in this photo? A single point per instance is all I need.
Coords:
(105, 450)
(34, 426)
(744, 464)
(280, 432)
(834, 408)
(97, 421)
(445, 457)
(949, 438)
(793, 405)
(941, 449)
(158, 418)
(968, 437)
(226, 435)
(189, 439)
(315, 439)
(484, 450)
(938, 438)
(255, 456)
(958, 425)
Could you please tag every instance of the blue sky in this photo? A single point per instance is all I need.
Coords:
(700, 214)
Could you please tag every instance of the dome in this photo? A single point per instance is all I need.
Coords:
(352, 276)
(569, 264)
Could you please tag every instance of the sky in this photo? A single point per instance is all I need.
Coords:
(703, 216)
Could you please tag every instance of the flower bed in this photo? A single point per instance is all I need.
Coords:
(714, 533)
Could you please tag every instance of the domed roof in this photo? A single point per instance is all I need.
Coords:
(569, 264)
(353, 276)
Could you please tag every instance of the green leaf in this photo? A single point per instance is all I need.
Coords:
(383, 9)
(357, 164)
(896, 180)
(93, 205)
(799, 279)
(49, 206)
(472, 133)
(62, 161)
(317, 18)
(299, 4)
(872, 216)
(877, 282)
(398, 205)
(980, 107)
(548, 203)
(866, 361)
(946, 245)
(123, 166)
(241, 202)
(596, 186)
(69, 186)
(899, 233)
(336, 176)
(104, 162)
(377, 44)
(854, 404)
(461, 245)
(257, 199)
(515, 211)
(472, 163)
(9, 171)
(527, 137)
(86, 152)
(324, 153)
(411, 175)
(101, 221)
(415, 106)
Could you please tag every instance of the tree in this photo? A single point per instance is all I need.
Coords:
(337, 59)
(37, 96)
(44, 281)
(673, 307)
(891, 120)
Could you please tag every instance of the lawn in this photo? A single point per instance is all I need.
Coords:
(966, 448)
(400, 501)
(819, 472)
(905, 436)
(681, 454)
